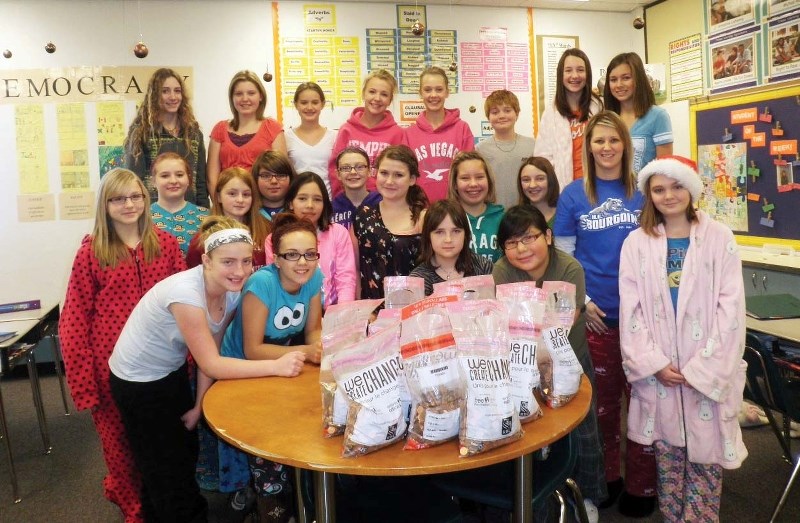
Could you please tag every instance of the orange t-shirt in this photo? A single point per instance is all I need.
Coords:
(576, 126)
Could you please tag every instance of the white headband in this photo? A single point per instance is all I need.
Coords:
(226, 236)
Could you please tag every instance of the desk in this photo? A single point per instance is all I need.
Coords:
(784, 329)
(280, 419)
(31, 326)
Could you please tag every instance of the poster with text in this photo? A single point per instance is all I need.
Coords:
(726, 15)
(733, 61)
(784, 48)
(723, 169)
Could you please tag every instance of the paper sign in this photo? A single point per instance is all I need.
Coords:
(753, 171)
(744, 115)
(766, 222)
(36, 207)
(777, 132)
(783, 147)
(748, 131)
(765, 117)
(786, 188)
(758, 140)
(753, 197)
(768, 207)
(410, 110)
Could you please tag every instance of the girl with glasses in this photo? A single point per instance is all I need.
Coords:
(310, 144)
(308, 199)
(237, 142)
(236, 197)
(352, 170)
(164, 123)
(387, 234)
(115, 266)
(445, 253)
(281, 310)
(172, 213)
(273, 172)
(594, 216)
(185, 313)
(530, 255)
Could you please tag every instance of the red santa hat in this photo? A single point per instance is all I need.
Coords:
(680, 169)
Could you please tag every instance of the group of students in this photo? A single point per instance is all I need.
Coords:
(305, 218)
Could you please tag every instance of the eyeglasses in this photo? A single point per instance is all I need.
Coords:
(528, 239)
(360, 169)
(276, 176)
(295, 256)
(122, 200)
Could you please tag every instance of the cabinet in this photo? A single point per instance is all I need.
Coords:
(760, 280)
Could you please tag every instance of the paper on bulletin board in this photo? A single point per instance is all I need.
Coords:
(319, 18)
(31, 153)
(332, 61)
(723, 169)
(686, 67)
(76, 205)
(110, 123)
(73, 153)
(784, 41)
(36, 208)
(548, 52)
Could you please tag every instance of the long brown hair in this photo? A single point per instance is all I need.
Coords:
(553, 187)
(416, 198)
(246, 76)
(585, 103)
(643, 96)
(107, 246)
(146, 123)
(259, 226)
(627, 178)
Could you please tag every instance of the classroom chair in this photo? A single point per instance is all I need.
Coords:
(774, 392)
(494, 485)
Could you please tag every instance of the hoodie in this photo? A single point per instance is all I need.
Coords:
(435, 149)
(484, 232)
(373, 141)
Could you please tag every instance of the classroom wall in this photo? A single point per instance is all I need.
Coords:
(36, 257)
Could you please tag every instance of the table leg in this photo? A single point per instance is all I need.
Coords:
(33, 376)
(324, 490)
(302, 516)
(57, 360)
(11, 471)
(523, 489)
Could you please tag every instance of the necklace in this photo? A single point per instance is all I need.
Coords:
(513, 145)
(172, 130)
(446, 274)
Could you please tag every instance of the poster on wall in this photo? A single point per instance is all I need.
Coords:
(686, 67)
(733, 60)
(783, 40)
(723, 169)
(726, 15)
(548, 52)
(778, 7)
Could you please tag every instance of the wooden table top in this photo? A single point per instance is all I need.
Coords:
(281, 419)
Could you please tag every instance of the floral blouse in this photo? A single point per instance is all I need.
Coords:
(381, 252)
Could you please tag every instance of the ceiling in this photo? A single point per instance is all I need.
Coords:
(620, 6)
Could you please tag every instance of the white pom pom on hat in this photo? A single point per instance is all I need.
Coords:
(680, 169)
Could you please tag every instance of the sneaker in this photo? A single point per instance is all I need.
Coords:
(591, 511)
(636, 506)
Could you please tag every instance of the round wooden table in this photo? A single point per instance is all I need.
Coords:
(280, 419)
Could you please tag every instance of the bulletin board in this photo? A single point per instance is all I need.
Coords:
(747, 153)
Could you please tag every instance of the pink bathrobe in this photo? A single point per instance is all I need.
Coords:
(708, 348)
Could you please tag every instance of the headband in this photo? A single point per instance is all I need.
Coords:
(226, 236)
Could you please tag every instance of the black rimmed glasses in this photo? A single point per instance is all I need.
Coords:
(526, 240)
(122, 200)
(267, 176)
(360, 168)
(295, 256)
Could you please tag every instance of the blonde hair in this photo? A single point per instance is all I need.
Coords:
(246, 76)
(108, 248)
(386, 76)
(434, 70)
(258, 225)
(627, 178)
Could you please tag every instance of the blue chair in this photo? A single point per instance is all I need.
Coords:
(494, 485)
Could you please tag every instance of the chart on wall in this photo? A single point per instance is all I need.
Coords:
(747, 154)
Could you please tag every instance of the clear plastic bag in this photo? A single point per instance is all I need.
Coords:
(402, 290)
(371, 375)
(561, 375)
(488, 418)
(431, 365)
(469, 288)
